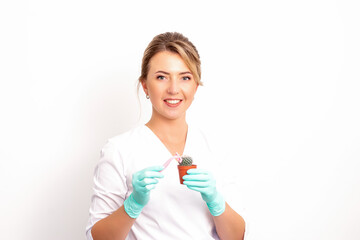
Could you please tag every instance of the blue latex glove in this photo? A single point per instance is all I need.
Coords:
(204, 182)
(143, 182)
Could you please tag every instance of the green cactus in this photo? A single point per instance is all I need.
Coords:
(186, 161)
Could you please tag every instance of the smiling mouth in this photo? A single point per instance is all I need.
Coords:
(172, 101)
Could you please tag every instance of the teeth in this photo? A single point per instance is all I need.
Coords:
(173, 101)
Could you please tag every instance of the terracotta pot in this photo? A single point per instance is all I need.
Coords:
(183, 170)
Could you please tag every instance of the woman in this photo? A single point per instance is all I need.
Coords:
(126, 204)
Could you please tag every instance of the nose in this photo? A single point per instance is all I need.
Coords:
(173, 87)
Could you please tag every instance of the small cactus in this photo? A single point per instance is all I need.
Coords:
(186, 161)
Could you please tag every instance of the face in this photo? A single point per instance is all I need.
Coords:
(170, 85)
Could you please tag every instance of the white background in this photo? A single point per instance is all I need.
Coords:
(281, 93)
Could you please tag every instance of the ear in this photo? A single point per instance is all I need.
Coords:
(144, 86)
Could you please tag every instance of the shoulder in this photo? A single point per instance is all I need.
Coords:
(115, 153)
(127, 138)
(123, 143)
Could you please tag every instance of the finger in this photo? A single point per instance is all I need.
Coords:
(148, 181)
(150, 187)
(196, 184)
(150, 174)
(197, 177)
(200, 190)
(194, 171)
(141, 189)
(144, 188)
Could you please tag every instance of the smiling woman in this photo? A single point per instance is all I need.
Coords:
(170, 86)
(175, 43)
(132, 163)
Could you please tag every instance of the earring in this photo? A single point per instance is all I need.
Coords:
(147, 96)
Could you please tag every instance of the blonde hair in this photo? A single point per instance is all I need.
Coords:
(176, 43)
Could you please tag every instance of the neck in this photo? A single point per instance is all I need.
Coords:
(168, 129)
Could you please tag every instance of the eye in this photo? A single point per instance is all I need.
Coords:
(186, 78)
(160, 77)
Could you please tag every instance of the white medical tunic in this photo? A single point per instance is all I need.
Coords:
(174, 211)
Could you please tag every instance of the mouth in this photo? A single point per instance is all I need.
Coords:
(172, 102)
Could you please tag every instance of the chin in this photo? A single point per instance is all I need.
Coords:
(173, 117)
(170, 115)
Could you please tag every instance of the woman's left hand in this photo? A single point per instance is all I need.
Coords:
(204, 182)
(201, 181)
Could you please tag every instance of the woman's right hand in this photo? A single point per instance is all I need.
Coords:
(143, 182)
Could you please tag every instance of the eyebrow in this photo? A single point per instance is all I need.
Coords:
(166, 73)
